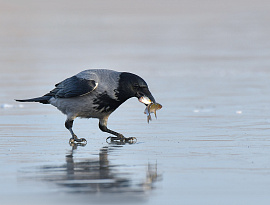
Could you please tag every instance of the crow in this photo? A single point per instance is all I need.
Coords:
(95, 93)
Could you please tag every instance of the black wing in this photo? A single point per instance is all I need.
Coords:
(73, 87)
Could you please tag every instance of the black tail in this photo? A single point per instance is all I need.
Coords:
(43, 99)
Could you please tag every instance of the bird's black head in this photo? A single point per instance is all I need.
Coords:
(131, 85)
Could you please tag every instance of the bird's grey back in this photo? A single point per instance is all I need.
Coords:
(107, 79)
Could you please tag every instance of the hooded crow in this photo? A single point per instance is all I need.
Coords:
(94, 93)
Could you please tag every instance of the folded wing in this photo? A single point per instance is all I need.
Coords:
(74, 87)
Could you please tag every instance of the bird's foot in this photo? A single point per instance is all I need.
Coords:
(121, 139)
(77, 141)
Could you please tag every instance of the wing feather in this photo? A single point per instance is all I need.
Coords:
(73, 87)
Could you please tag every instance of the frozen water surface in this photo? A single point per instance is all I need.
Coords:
(206, 62)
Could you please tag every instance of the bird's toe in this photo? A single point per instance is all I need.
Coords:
(131, 139)
(122, 139)
(71, 140)
(82, 140)
(78, 141)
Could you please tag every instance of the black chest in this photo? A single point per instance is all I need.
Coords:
(104, 103)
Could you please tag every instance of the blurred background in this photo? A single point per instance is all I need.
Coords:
(207, 62)
(46, 41)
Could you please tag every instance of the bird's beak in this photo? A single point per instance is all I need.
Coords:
(151, 98)
(145, 98)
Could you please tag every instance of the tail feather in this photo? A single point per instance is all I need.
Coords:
(43, 99)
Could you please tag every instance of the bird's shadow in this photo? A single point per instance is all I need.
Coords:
(98, 175)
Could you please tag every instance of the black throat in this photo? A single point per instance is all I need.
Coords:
(125, 90)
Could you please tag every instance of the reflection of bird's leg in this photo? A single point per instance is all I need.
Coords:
(74, 138)
(103, 157)
(104, 168)
(103, 127)
(70, 163)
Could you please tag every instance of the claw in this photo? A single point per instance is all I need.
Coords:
(71, 141)
(77, 141)
(130, 140)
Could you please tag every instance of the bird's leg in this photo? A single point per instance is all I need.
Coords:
(74, 138)
(103, 127)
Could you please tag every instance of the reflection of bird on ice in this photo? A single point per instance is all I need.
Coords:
(98, 175)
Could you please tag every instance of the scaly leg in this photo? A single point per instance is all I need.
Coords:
(74, 138)
(103, 127)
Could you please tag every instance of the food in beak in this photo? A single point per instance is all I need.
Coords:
(145, 100)
(152, 108)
